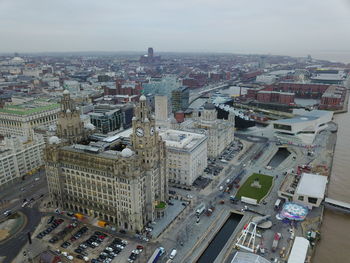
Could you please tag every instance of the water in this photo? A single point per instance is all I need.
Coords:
(220, 239)
(279, 157)
(335, 231)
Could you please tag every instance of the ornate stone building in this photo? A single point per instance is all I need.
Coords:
(69, 125)
(111, 179)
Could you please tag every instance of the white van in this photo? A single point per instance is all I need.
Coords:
(173, 253)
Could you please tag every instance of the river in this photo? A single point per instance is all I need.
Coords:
(335, 232)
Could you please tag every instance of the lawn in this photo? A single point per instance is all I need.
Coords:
(247, 190)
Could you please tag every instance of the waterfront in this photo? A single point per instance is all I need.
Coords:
(335, 231)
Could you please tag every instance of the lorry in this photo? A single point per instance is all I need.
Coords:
(276, 239)
(200, 209)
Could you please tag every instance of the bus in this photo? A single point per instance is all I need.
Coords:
(156, 255)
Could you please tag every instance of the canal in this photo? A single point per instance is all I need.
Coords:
(220, 239)
(279, 157)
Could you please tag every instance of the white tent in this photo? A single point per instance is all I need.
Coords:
(299, 250)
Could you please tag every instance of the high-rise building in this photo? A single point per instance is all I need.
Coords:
(150, 52)
(122, 182)
(180, 99)
(161, 107)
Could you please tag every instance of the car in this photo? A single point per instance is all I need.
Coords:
(139, 247)
(83, 246)
(86, 259)
(122, 231)
(53, 240)
(40, 235)
(109, 248)
(80, 257)
(95, 244)
(78, 250)
(170, 203)
(70, 214)
(70, 257)
(51, 219)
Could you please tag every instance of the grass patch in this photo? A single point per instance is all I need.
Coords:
(248, 190)
(161, 205)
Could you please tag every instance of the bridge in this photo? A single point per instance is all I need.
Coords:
(200, 92)
(332, 203)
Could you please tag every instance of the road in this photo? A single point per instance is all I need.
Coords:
(11, 247)
(32, 188)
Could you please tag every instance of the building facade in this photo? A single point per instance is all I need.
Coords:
(161, 107)
(180, 99)
(20, 156)
(220, 132)
(110, 180)
(186, 155)
(20, 120)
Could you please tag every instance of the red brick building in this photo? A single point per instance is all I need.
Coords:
(333, 98)
(275, 97)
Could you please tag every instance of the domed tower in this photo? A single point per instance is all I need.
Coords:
(150, 148)
(209, 112)
(69, 125)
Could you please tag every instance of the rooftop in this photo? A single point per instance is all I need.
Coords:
(181, 139)
(313, 185)
(27, 109)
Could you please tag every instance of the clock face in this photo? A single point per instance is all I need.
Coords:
(139, 132)
(152, 130)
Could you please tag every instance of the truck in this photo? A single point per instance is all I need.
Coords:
(276, 239)
(156, 255)
(277, 204)
(200, 209)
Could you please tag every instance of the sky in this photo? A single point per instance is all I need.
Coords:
(290, 27)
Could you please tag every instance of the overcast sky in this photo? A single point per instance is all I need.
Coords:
(292, 27)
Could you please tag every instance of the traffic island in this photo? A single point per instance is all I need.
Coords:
(11, 225)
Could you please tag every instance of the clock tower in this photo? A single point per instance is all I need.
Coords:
(150, 148)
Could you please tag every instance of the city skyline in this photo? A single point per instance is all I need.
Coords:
(293, 28)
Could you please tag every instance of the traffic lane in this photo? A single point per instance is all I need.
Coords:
(39, 188)
(13, 246)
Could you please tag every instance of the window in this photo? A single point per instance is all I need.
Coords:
(312, 200)
(301, 198)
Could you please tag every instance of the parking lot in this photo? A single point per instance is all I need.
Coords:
(78, 242)
(216, 165)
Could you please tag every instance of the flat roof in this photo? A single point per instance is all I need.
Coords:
(181, 139)
(245, 257)
(299, 250)
(313, 185)
(26, 109)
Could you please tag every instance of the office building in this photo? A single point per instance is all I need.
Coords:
(180, 99)
(20, 156)
(123, 182)
(220, 132)
(161, 108)
(21, 119)
(186, 155)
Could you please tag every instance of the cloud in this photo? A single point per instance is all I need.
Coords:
(269, 26)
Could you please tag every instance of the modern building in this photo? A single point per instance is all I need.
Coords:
(110, 117)
(180, 99)
(123, 183)
(186, 155)
(161, 108)
(220, 132)
(20, 156)
(21, 119)
(307, 189)
(303, 127)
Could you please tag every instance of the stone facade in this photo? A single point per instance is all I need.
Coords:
(115, 182)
